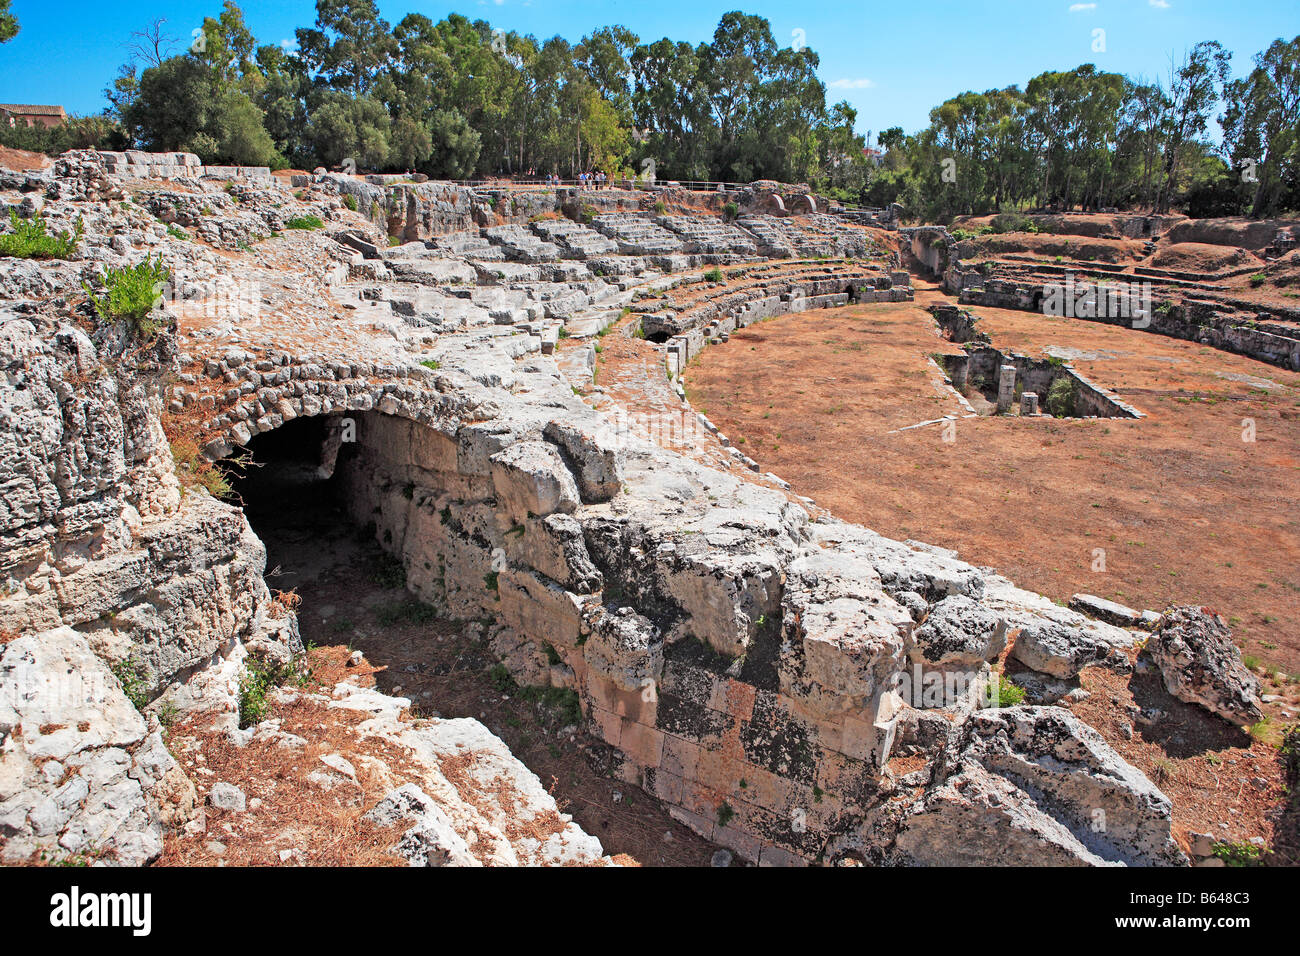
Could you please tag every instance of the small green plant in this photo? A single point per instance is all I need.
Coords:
(490, 580)
(405, 612)
(1267, 731)
(177, 233)
(305, 222)
(253, 687)
(730, 210)
(433, 364)
(130, 674)
(130, 294)
(350, 201)
(725, 814)
(388, 573)
(563, 702)
(660, 207)
(195, 471)
(501, 679)
(1062, 395)
(1162, 770)
(1239, 853)
(552, 655)
(167, 714)
(1002, 693)
(1258, 279)
(713, 275)
(29, 240)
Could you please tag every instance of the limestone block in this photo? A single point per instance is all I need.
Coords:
(555, 546)
(958, 635)
(531, 479)
(539, 608)
(595, 456)
(626, 648)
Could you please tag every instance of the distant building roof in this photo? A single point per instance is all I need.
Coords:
(32, 109)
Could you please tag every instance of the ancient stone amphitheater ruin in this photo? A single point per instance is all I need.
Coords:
(431, 356)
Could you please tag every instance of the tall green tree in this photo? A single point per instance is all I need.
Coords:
(1261, 124)
(8, 22)
(1194, 90)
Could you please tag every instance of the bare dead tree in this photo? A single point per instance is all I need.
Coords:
(151, 45)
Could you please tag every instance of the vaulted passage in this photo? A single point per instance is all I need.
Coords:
(332, 539)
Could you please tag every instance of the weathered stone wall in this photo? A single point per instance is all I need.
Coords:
(1037, 375)
(931, 245)
(1255, 337)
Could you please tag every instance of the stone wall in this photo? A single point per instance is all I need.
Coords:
(1256, 337)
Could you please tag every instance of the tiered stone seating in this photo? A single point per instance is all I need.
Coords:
(637, 235)
(816, 235)
(575, 240)
(469, 245)
(521, 245)
(709, 235)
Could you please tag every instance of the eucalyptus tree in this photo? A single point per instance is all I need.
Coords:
(1261, 125)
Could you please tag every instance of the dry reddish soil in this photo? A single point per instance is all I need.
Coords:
(1184, 509)
(1068, 247)
(1202, 257)
(22, 159)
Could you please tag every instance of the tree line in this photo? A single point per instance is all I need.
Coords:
(1087, 139)
(457, 99)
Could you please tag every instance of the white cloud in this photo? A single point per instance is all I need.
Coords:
(859, 84)
(1160, 4)
(1082, 7)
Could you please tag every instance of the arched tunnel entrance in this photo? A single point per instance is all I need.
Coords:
(331, 539)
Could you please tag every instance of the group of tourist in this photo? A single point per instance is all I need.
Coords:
(585, 181)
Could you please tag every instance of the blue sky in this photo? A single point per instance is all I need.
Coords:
(892, 60)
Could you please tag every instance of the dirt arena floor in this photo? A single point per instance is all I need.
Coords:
(1178, 507)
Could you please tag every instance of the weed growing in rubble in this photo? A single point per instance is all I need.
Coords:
(131, 676)
(562, 702)
(305, 222)
(405, 612)
(713, 275)
(388, 573)
(1258, 279)
(432, 364)
(501, 679)
(350, 201)
(177, 233)
(1239, 854)
(725, 813)
(130, 294)
(257, 680)
(195, 471)
(29, 240)
(1061, 396)
(1267, 731)
(1002, 693)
